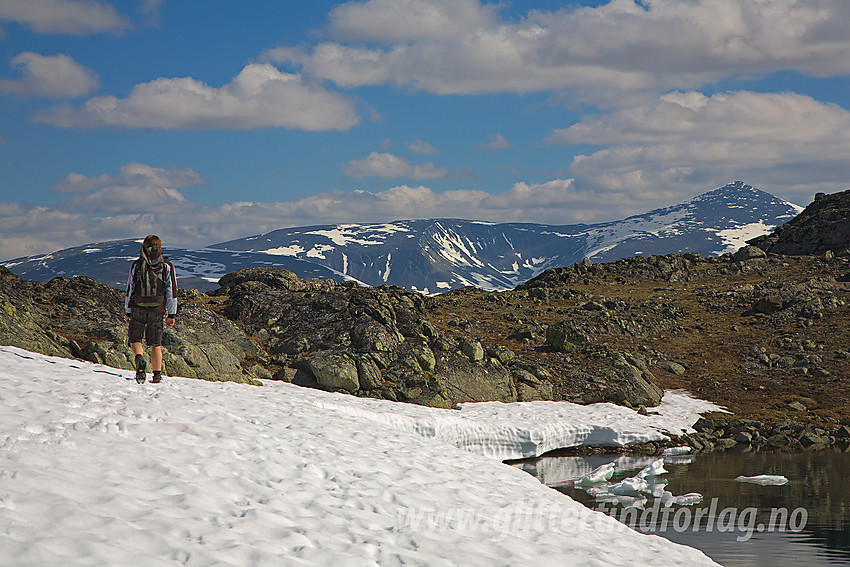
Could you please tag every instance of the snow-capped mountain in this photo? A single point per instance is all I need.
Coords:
(109, 263)
(437, 255)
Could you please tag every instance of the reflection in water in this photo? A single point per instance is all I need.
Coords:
(815, 501)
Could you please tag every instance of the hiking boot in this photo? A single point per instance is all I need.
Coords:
(157, 376)
(141, 365)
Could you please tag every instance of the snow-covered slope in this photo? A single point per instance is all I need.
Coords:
(426, 255)
(109, 263)
(97, 470)
(437, 255)
(713, 223)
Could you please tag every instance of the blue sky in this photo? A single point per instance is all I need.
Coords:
(203, 121)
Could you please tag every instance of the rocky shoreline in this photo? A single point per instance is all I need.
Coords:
(725, 433)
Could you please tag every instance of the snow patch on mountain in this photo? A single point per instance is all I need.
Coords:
(435, 255)
(735, 238)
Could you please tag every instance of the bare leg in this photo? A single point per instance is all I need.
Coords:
(156, 358)
(137, 348)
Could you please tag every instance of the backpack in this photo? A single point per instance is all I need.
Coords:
(149, 284)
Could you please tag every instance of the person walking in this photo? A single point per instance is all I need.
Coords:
(151, 293)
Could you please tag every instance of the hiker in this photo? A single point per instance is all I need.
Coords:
(151, 292)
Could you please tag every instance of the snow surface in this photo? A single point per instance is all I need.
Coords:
(98, 470)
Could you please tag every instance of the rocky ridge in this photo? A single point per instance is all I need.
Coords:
(824, 226)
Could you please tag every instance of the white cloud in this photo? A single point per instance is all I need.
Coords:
(260, 96)
(392, 21)
(741, 115)
(422, 148)
(37, 230)
(390, 166)
(131, 175)
(464, 47)
(79, 17)
(789, 144)
(27, 231)
(117, 200)
(496, 142)
(49, 76)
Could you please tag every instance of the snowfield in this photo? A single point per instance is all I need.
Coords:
(98, 470)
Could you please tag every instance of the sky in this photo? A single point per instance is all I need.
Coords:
(205, 121)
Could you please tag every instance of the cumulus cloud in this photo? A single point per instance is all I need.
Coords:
(392, 21)
(49, 76)
(137, 189)
(131, 175)
(464, 46)
(390, 166)
(76, 17)
(421, 147)
(788, 144)
(182, 222)
(140, 200)
(37, 230)
(260, 96)
(496, 142)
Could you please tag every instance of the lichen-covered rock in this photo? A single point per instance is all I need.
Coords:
(368, 373)
(473, 350)
(748, 253)
(672, 367)
(334, 371)
(565, 336)
(425, 358)
(276, 278)
(529, 387)
(501, 353)
(462, 382)
(633, 388)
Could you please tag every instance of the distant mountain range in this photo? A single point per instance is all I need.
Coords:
(437, 255)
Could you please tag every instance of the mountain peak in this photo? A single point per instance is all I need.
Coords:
(437, 255)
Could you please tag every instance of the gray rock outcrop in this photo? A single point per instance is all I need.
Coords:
(824, 226)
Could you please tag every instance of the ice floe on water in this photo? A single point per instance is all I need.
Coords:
(633, 492)
(764, 479)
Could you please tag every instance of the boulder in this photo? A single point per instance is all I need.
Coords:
(565, 336)
(501, 353)
(749, 252)
(458, 381)
(632, 388)
(277, 278)
(425, 358)
(672, 367)
(334, 371)
(368, 374)
(473, 350)
(768, 304)
(529, 387)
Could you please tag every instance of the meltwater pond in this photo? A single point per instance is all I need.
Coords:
(805, 521)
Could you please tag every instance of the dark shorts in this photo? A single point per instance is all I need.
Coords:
(147, 323)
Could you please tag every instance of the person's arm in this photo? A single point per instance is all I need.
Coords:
(129, 292)
(170, 295)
